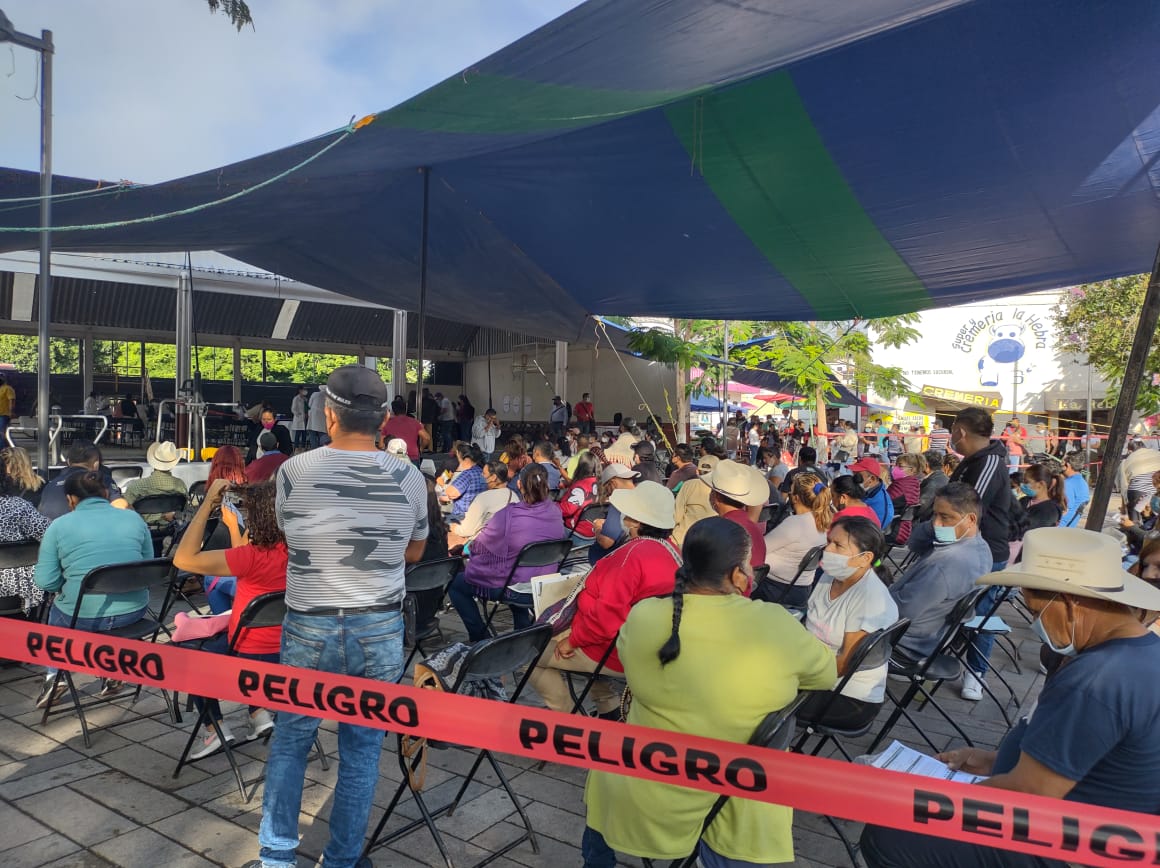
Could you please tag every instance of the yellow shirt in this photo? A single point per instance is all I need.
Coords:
(691, 506)
(740, 660)
(7, 400)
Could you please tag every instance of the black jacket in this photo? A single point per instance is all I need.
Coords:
(986, 472)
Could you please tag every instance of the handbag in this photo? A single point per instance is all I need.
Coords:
(559, 615)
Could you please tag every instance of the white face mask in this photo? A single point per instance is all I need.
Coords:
(837, 565)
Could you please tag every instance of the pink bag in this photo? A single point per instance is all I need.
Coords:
(187, 627)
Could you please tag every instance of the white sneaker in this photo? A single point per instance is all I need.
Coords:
(211, 744)
(972, 686)
(261, 722)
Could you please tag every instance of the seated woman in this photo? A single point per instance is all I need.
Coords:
(226, 464)
(485, 505)
(466, 482)
(1092, 736)
(790, 541)
(494, 552)
(19, 521)
(19, 466)
(906, 489)
(704, 661)
(515, 455)
(848, 602)
(1044, 499)
(642, 567)
(579, 496)
(259, 564)
(609, 531)
(94, 534)
(850, 500)
(421, 609)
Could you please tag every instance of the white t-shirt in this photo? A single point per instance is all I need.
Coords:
(787, 544)
(754, 436)
(865, 607)
(317, 415)
(483, 435)
(485, 505)
(446, 414)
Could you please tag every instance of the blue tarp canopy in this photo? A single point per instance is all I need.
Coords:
(709, 404)
(774, 159)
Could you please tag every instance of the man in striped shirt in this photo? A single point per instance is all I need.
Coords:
(940, 438)
(353, 517)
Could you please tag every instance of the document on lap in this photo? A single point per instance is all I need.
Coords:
(900, 758)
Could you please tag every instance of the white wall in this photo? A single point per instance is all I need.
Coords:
(598, 372)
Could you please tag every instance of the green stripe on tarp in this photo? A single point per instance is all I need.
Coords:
(477, 103)
(759, 152)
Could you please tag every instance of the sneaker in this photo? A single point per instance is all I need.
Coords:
(972, 686)
(110, 688)
(51, 692)
(261, 722)
(211, 744)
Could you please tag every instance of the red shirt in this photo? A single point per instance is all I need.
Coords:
(265, 467)
(756, 535)
(259, 571)
(407, 429)
(864, 511)
(581, 494)
(584, 411)
(639, 569)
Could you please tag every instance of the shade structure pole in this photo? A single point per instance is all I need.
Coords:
(399, 355)
(44, 319)
(426, 170)
(1126, 404)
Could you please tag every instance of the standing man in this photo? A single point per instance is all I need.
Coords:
(353, 517)
(429, 416)
(484, 432)
(585, 414)
(1015, 438)
(316, 419)
(298, 417)
(1075, 487)
(407, 429)
(753, 438)
(7, 404)
(558, 418)
(940, 438)
(984, 468)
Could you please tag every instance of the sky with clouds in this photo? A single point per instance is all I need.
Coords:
(147, 90)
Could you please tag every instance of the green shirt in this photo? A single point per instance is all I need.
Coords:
(95, 534)
(157, 482)
(740, 660)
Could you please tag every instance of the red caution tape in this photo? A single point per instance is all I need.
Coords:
(1051, 828)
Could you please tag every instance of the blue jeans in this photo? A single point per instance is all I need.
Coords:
(370, 646)
(980, 651)
(219, 591)
(753, 454)
(57, 618)
(463, 596)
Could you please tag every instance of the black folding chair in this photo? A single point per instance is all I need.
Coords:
(491, 658)
(873, 651)
(117, 579)
(990, 624)
(774, 732)
(428, 576)
(939, 667)
(547, 553)
(21, 553)
(892, 532)
(197, 493)
(160, 504)
(773, 591)
(266, 610)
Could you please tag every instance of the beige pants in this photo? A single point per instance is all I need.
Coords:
(550, 682)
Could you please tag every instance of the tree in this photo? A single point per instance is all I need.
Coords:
(236, 10)
(1099, 321)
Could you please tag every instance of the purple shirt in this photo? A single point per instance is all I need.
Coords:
(494, 551)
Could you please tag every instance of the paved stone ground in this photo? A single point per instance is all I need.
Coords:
(119, 804)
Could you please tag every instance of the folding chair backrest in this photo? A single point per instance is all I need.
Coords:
(121, 475)
(760, 573)
(548, 553)
(893, 528)
(197, 491)
(1075, 519)
(962, 611)
(429, 575)
(265, 610)
(809, 563)
(777, 728)
(767, 512)
(22, 553)
(493, 658)
(909, 513)
(217, 538)
(873, 650)
(123, 578)
(594, 511)
(156, 504)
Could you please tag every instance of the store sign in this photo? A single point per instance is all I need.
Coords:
(1076, 405)
(990, 401)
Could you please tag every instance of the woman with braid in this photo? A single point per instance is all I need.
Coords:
(705, 661)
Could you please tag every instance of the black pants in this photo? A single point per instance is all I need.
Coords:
(892, 848)
(843, 712)
(773, 591)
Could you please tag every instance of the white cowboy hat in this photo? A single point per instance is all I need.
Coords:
(649, 503)
(738, 482)
(162, 456)
(1082, 563)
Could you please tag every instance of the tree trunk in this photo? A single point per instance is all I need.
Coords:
(820, 422)
(681, 423)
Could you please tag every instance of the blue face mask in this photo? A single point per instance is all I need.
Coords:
(1027, 489)
(1068, 650)
(945, 536)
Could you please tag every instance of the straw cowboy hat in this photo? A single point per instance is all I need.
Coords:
(738, 482)
(1082, 563)
(162, 456)
(649, 503)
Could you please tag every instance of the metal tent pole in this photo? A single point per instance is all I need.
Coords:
(426, 170)
(1126, 404)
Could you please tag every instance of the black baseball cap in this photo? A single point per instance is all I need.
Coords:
(356, 387)
(644, 449)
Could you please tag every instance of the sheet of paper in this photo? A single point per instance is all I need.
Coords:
(552, 588)
(900, 758)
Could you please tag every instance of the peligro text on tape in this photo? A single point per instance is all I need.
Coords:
(1052, 828)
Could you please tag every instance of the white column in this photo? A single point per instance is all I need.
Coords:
(184, 330)
(562, 369)
(399, 356)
